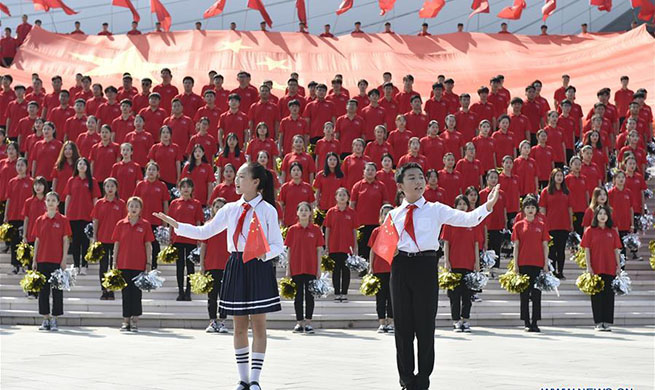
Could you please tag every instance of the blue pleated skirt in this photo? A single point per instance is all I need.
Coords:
(249, 288)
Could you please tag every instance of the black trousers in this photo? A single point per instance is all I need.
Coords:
(366, 231)
(131, 295)
(569, 154)
(80, 242)
(183, 251)
(577, 223)
(155, 248)
(495, 243)
(602, 304)
(106, 262)
(44, 295)
(460, 298)
(533, 139)
(414, 295)
(302, 292)
(623, 233)
(383, 298)
(15, 240)
(543, 184)
(556, 253)
(212, 297)
(510, 220)
(341, 274)
(530, 294)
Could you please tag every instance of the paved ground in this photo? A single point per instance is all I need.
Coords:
(489, 358)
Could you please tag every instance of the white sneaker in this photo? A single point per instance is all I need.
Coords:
(382, 329)
(457, 327)
(598, 327)
(222, 328)
(212, 327)
(466, 327)
(45, 325)
(606, 327)
(83, 270)
(389, 329)
(53, 325)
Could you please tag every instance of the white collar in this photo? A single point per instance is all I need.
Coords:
(253, 202)
(419, 203)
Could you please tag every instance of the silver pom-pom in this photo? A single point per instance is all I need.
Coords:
(573, 241)
(88, 230)
(650, 147)
(163, 236)
(608, 186)
(648, 193)
(566, 169)
(356, 263)
(321, 288)
(475, 281)
(63, 279)
(207, 213)
(149, 281)
(650, 159)
(578, 146)
(646, 222)
(631, 242)
(547, 282)
(621, 260)
(194, 256)
(282, 260)
(622, 285)
(507, 245)
(175, 193)
(488, 259)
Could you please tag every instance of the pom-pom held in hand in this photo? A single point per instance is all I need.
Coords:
(278, 164)
(175, 193)
(284, 231)
(356, 263)
(201, 283)
(370, 285)
(32, 282)
(194, 256)
(25, 254)
(547, 282)
(580, 258)
(282, 260)
(149, 281)
(622, 285)
(475, 281)
(327, 264)
(513, 282)
(632, 242)
(448, 280)
(113, 280)
(645, 222)
(207, 213)
(648, 193)
(95, 252)
(319, 216)
(573, 241)
(167, 255)
(590, 284)
(163, 235)
(88, 231)
(488, 259)
(287, 288)
(7, 232)
(63, 279)
(321, 288)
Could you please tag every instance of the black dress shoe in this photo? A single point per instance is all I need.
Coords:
(535, 328)
(180, 297)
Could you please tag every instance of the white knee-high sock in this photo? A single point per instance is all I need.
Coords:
(242, 363)
(256, 366)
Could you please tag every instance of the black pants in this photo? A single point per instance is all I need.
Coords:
(556, 253)
(131, 295)
(577, 223)
(344, 155)
(559, 164)
(15, 240)
(414, 295)
(341, 274)
(543, 184)
(533, 139)
(530, 294)
(383, 297)
(510, 220)
(569, 154)
(495, 243)
(602, 304)
(212, 297)
(80, 242)
(460, 298)
(362, 245)
(183, 251)
(155, 248)
(44, 295)
(106, 262)
(623, 233)
(302, 292)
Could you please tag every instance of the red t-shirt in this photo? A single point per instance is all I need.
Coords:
(93, 103)
(588, 217)
(266, 112)
(236, 123)
(226, 191)
(341, 224)
(256, 145)
(555, 141)
(15, 111)
(372, 116)
(167, 92)
(637, 186)
(183, 128)
(470, 172)
(484, 152)
(533, 111)
(621, 202)
(8, 46)
(531, 236)
(504, 145)
(353, 169)
(207, 141)
(339, 101)
(495, 220)
(622, 99)
(451, 182)
(154, 119)
(141, 142)
(128, 175)
(302, 243)
(185, 211)
(592, 176)
(417, 123)
(106, 113)
(85, 142)
(399, 141)
(461, 248)
(108, 213)
(388, 179)
(434, 194)
(305, 160)
(518, 125)
(104, 158)
(436, 110)
(369, 197)
(51, 232)
(81, 198)
(347, 130)
(328, 185)
(166, 156)
(567, 124)
(323, 147)
(453, 142)
(121, 127)
(291, 194)
(602, 242)
(290, 127)
(467, 124)
(419, 159)
(153, 194)
(231, 158)
(374, 151)
(216, 254)
(45, 154)
(526, 170)
(17, 192)
(404, 100)
(433, 149)
(318, 112)
(510, 186)
(283, 104)
(132, 241)
(543, 157)
(577, 186)
(191, 102)
(62, 176)
(557, 209)
(58, 116)
(380, 266)
(248, 95)
(201, 175)
(485, 111)
(33, 208)
(25, 129)
(214, 115)
(391, 111)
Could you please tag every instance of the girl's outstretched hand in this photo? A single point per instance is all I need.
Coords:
(167, 219)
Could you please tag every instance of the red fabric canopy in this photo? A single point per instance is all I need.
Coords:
(593, 60)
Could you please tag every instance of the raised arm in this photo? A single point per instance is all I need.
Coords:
(450, 216)
(204, 232)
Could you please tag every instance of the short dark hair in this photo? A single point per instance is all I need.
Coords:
(608, 210)
(400, 173)
(529, 200)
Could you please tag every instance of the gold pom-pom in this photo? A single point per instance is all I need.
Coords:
(201, 283)
(311, 148)
(510, 265)
(278, 164)
(370, 285)
(550, 241)
(168, 255)
(651, 247)
(327, 263)
(359, 234)
(580, 258)
(448, 280)
(216, 164)
(590, 284)
(7, 232)
(283, 231)
(95, 253)
(25, 254)
(113, 280)
(287, 288)
(33, 281)
(319, 216)
(513, 282)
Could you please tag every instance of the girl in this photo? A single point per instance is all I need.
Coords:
(18, 190)
(497, 220)
(8, 167)
(451, 180)
(525, 167)
(399, 138)
(413, 155)
(453, 140)
(379, 147)
(382, 270)
(294, 192)
(45, 153)
(579, 196)
(3, 143)
(592, 173)
(132, 249)
(543, 157)
(305, 242)
(106, 213)
(52, 231)
(213, 257)
(168, 156)
(63, 168)
(555, 204)
(104, 155)
(485, 147)
(328, 181)
(262, 141)
(602, 245)
(226, 189)
(530, 239)
(469, 168)
(263, 158)
(599, 197)
(367, 197)
(340, 239)
(198, 169)
(463, 258)
(504, 142)
(634, 181)
(155, 198)
(126, 172)
(249, 290)
(555, 137)
(298, 155)
(202, 137)
(633, 147)
(599, 155)
(433, 147)
(81, 193)
(185, 209)
(433, 193)
(386, 175)
(620, 201)
(33, 208)
(509, 184)
(33, 138)
(353, 165)
(326, 144)
(231, 154)
(141, 141)
(86, 140)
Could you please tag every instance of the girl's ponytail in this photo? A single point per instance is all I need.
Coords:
(266, 185)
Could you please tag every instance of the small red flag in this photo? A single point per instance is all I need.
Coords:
(386, 243)
(256, 244)
(345, 6)
(647, 10)
(302, 12)
(386, 6)
(128, 4)
(548, 8)
(431, 8)
(479, 7)
(514, 12)
(162, 14)
(214, 9)
(603, 5)
(259, 6)
(45, 5)
(4, 9)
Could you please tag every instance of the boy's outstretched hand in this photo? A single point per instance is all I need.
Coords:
(493, 197)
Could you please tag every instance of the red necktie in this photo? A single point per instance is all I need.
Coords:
(242, 218)
(409, 222)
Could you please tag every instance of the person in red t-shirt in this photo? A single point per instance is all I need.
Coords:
(555, 139)
(318, 112)
(368, 195)
(262, 141)
(469, 168)
(417, 121)
(141, 141)
(451, 180)
(433, 193)
(579, 195)
(233, 121)
(8, 48)
(436, 107)
(379, 147)
(124, 123)
(485, 147)
(497, 220)
(231, 154)
(382, 270)
(26, 125)
(543, 157)
(404, 97)
(328, 181)
(263, 159)
(168, 156)
(326, 144)
(292, 125)
(166, 90)
(181, 125)
(353, 164)
(555, 204)
(503, 140)
(190, 100)
(599, 157)
(86, 140)
(15, 111)
(349, 126)
(203, 138)
(62, 169)
(44, 153)
(198, 169)
(525, 168)
(226, 188)
(305, 242)
(533, 110)
(17, 191)
(293, 192)
(126, 172)
(634, 181)
(413, 155)
(104, 155)
(483, 108)
(264, 110)
(153, 115)
(620, 200)
(106, 213)
(560, 93)
(298, 154)
(293, 92)
(33, 208)
(341, 239)
(602, 245)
